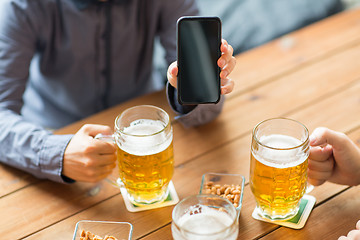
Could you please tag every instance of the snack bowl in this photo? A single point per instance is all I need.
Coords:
(229, 186)
(119, 230)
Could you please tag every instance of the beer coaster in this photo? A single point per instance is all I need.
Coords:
(297, 222)
(171, 199)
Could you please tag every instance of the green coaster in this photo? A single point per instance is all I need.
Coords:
(299, 220)
(171, 199)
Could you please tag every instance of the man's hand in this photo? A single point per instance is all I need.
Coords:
(87, 159)
(226, 63)
(334, 158)
(353, 234)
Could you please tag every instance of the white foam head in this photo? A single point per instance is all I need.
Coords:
(282, 151)
(144, 137)
(207, 222)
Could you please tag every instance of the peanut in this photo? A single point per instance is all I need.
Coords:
(209, 184)
(230, 192)
(86, 235)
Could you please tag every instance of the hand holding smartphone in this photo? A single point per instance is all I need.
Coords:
(198, 49)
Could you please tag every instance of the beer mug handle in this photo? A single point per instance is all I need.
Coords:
(116, 182)
(105, 138)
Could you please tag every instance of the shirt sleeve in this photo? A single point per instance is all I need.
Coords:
(23, 145)
(170, 13)
(193, 115)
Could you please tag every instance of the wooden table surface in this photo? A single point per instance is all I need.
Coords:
(311, 75)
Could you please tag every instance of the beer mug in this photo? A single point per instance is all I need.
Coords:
(278, 168)
(145, 158)
(204, 217)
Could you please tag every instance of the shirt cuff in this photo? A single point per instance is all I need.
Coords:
(51, 157)
(193, 115)
(174, 103)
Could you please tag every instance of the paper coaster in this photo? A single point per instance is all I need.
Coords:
(171, 199)
(297, 222)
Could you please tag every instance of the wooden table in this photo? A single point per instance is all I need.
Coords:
(312, 75)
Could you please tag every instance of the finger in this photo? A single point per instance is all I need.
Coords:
(354, 234)
(102, 160)
(102, 146)
(96, 146)
(321, 166)
(342, 238)
(319, 176)
(94, 129)
(98, 173)
(320, 153)
(172, 74)
(226, 54)
(358, 225)
(226, 47)
(93, 174)
(322, 136)
(227, 85)
(229, 67)
(99, 147)
(315, 182)
(106, 170)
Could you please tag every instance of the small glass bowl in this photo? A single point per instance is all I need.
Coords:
(223, 179)
(120, 230)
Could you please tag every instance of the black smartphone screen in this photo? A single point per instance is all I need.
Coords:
(198, 49)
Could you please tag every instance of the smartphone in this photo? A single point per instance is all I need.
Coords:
(198, 50)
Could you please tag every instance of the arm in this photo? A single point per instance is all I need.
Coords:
(24, 145)
(197, 114)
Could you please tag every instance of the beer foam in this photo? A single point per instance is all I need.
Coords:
(143, 137)
(280, 141)
(208, 221)
(284, 158)
(144, 127)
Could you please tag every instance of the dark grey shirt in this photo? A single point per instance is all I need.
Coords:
(63, 60)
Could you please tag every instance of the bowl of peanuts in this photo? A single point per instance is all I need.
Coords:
(229, 186)
(102, 230)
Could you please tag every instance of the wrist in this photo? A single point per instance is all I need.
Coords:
(67, 179)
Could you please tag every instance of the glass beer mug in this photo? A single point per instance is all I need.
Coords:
(204, 217)
(278, 168)
(145, 158)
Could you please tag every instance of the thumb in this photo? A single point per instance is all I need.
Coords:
(172, 74)
(323, 136)
(94, 129)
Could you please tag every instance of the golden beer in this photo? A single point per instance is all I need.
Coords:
(145, 153)
(278, 173)
(146, 178)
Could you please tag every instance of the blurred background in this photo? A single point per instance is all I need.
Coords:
(250, 23)
(351, 3)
